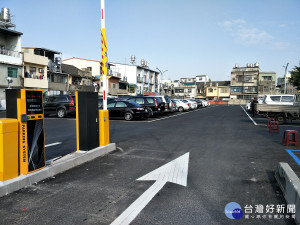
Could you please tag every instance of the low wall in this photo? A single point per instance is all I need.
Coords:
(219, 102)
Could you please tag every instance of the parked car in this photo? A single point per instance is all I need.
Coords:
(150, 104)
(187, 103)
(167, 103)
(126, 109)
(109, 100)
(181, 106)
(61, 105)
(204, 103)
(248, 106)
(192, 103)
(199, 103)
(174, 106)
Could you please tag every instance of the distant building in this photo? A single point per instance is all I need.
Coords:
(141, 79)
(35, 70)
(244, 82)
(78, 80)
(167, 88)
(218, 90)
(11, 57)
(201, 82)
(185, 88)
(115, 85)
(281, 83)
(266, 83)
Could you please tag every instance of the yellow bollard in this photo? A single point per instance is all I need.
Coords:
(9, 166)
(103, 127)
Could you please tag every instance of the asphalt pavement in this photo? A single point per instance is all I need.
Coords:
(231, 160)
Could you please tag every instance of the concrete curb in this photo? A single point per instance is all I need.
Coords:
(54, 167)
(290, 186)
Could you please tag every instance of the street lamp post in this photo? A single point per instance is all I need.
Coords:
(285, 77)
(161, 76)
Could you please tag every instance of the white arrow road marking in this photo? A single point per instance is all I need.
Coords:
(56, 143)
(175, 171)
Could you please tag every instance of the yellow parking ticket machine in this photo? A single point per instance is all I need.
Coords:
(26, 105)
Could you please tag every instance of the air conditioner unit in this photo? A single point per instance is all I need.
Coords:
(41, 70)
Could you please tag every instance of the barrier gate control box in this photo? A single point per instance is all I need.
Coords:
(26, 105)
(87, 121)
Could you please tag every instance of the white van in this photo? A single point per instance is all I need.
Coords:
(280, 99)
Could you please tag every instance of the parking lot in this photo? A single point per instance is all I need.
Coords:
(231, 160)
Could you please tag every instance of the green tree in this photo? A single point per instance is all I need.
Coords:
(295, 77)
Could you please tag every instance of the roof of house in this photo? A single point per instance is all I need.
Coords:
(9, 31)
(73, 71)
(43, 49)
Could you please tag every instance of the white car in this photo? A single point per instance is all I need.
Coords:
(205, 103)
(248, 106)
(193, 103)
(181, 106)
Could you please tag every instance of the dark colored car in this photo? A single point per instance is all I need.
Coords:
(150, 104)
(126, 109)
(109, 100)
(167, 105)
(61, 105)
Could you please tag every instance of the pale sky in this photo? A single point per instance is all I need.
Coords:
(187, 38)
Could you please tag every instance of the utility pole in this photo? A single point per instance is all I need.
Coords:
(285, 77)
(161, 77)
(104, 55)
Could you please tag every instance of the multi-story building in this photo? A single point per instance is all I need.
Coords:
(167, 88)
(185, 88)
(218, 90)
(141, 79)
(266, 83)
(57, 80)
(78, 80)
(244, 82)
(35, 70)
(11, 57)
(285, 85)
(115, 85)
(201, 82)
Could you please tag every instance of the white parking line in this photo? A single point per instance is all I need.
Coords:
(56, 143)
(249, 116)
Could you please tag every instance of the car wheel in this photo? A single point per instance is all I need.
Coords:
(128, 116)
(180, 109)
(281, 119)
(61, 113)
(150, 113)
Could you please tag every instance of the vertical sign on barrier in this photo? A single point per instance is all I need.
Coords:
(26, 105)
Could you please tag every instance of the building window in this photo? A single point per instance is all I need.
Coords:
(114, 86)
(248, 78)
(12, 72)
(32, 70)
(89, 69)
(189, 90)
(223, 90)
(210, 90)
(179, 90)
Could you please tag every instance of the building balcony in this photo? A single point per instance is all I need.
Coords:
(11, 57)
(35, 83)
(35, 59)
(114, 74)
